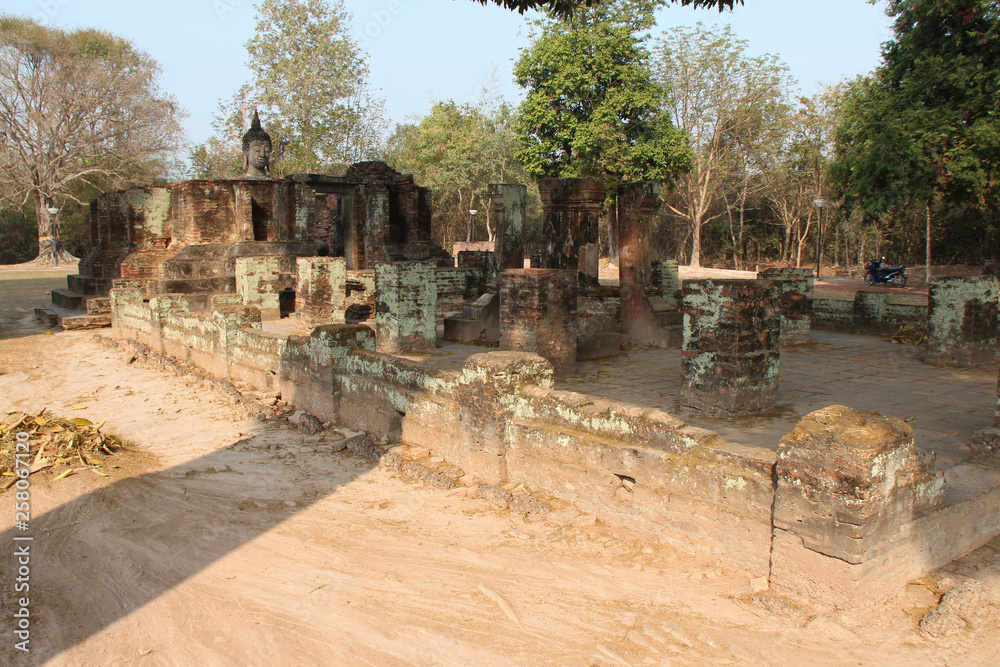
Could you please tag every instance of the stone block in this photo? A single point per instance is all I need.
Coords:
(509, 202)
(538, 314)
(962, 320)
(730, 354)
(849, 485)
(795, 293)
(320, 290)
(406, 307)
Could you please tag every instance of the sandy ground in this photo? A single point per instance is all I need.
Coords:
(223, 541)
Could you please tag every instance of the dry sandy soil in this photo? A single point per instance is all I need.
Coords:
(225, 541)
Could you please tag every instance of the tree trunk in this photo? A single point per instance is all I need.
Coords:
(50, 247)
(927, 249)
(695, 243)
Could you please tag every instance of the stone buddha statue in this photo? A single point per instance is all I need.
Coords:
(256, 152)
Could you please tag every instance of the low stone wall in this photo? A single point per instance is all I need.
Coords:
(962, 320)
(844, 513)
(870, 312)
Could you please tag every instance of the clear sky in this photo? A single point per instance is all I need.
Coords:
(424, 50)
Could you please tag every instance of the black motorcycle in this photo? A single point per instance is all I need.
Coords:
(876, 273)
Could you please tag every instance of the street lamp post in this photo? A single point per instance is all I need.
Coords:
(472, 224)
(820, 204)
(54, 232)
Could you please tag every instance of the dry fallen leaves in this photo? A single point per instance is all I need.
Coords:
(62, 446)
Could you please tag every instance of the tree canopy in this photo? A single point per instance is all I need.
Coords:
(566, 8)
(80, 111)
(310, 84)
(924, 127)
(592, 108)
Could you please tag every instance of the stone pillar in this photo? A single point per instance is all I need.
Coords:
(570, 211)
(849, 485)
(538, 314)
(485, 261)
(667, 279)
(795, 293)
(258, 282)
(320, 290)
(635, 209)
(405, 307)
(869, 312)
(730, 357)
(962, 320)
(509, 202)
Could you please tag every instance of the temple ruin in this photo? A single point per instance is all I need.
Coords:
(330, 291)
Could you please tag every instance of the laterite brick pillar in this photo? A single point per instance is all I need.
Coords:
(635, 210)
(730, 356)
(509, 202)
(667, 279)
(570, 210)
(321, 288)
(795, 293)
(849, 485)
(962, 320)
(538, 314)
(405, 307)
(258, 282)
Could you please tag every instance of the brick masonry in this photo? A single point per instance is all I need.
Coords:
(794, 302)
(538, 314)
(635, 210)
(406, 307)
(509, 202)
(320, 291)
(570, 211)
(667, 281)
(730, 356)
(962, 320)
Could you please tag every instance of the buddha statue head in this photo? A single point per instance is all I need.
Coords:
(256, 151)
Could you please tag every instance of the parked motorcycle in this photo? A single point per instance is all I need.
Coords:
(877, 272)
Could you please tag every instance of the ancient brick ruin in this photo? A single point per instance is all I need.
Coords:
(330, 291)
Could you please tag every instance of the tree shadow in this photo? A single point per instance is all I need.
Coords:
(105, 554)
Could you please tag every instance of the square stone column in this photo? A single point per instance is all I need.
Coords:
(730, 355)
(320, 291)
(849, 486)
(635, 210)
(405, 307)
(795, 294)
(509, 202)
(258, 282)
(538, 314)
(667, 280)
(962, 320)
(570, 211)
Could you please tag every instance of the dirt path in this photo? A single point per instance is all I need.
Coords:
(223, 541)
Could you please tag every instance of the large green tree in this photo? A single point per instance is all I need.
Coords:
(924, 128)
(592, 108)
(80, 112)
(725, 100)
(310, 85)
(457, 151)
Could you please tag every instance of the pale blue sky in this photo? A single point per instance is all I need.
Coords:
(423, 50)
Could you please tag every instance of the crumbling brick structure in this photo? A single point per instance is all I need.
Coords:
(260, 281)
(795, 291)
(538, 314)
(406, 307)
(321, 290)
(667, 281)
(962, 320)
(509, 202)
(570, 210)
(730, 357)
(635, 210)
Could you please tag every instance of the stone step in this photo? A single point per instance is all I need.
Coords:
(98, 305)
(86, 322)
(68, 300)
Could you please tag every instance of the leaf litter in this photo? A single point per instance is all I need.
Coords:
(59, 445)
